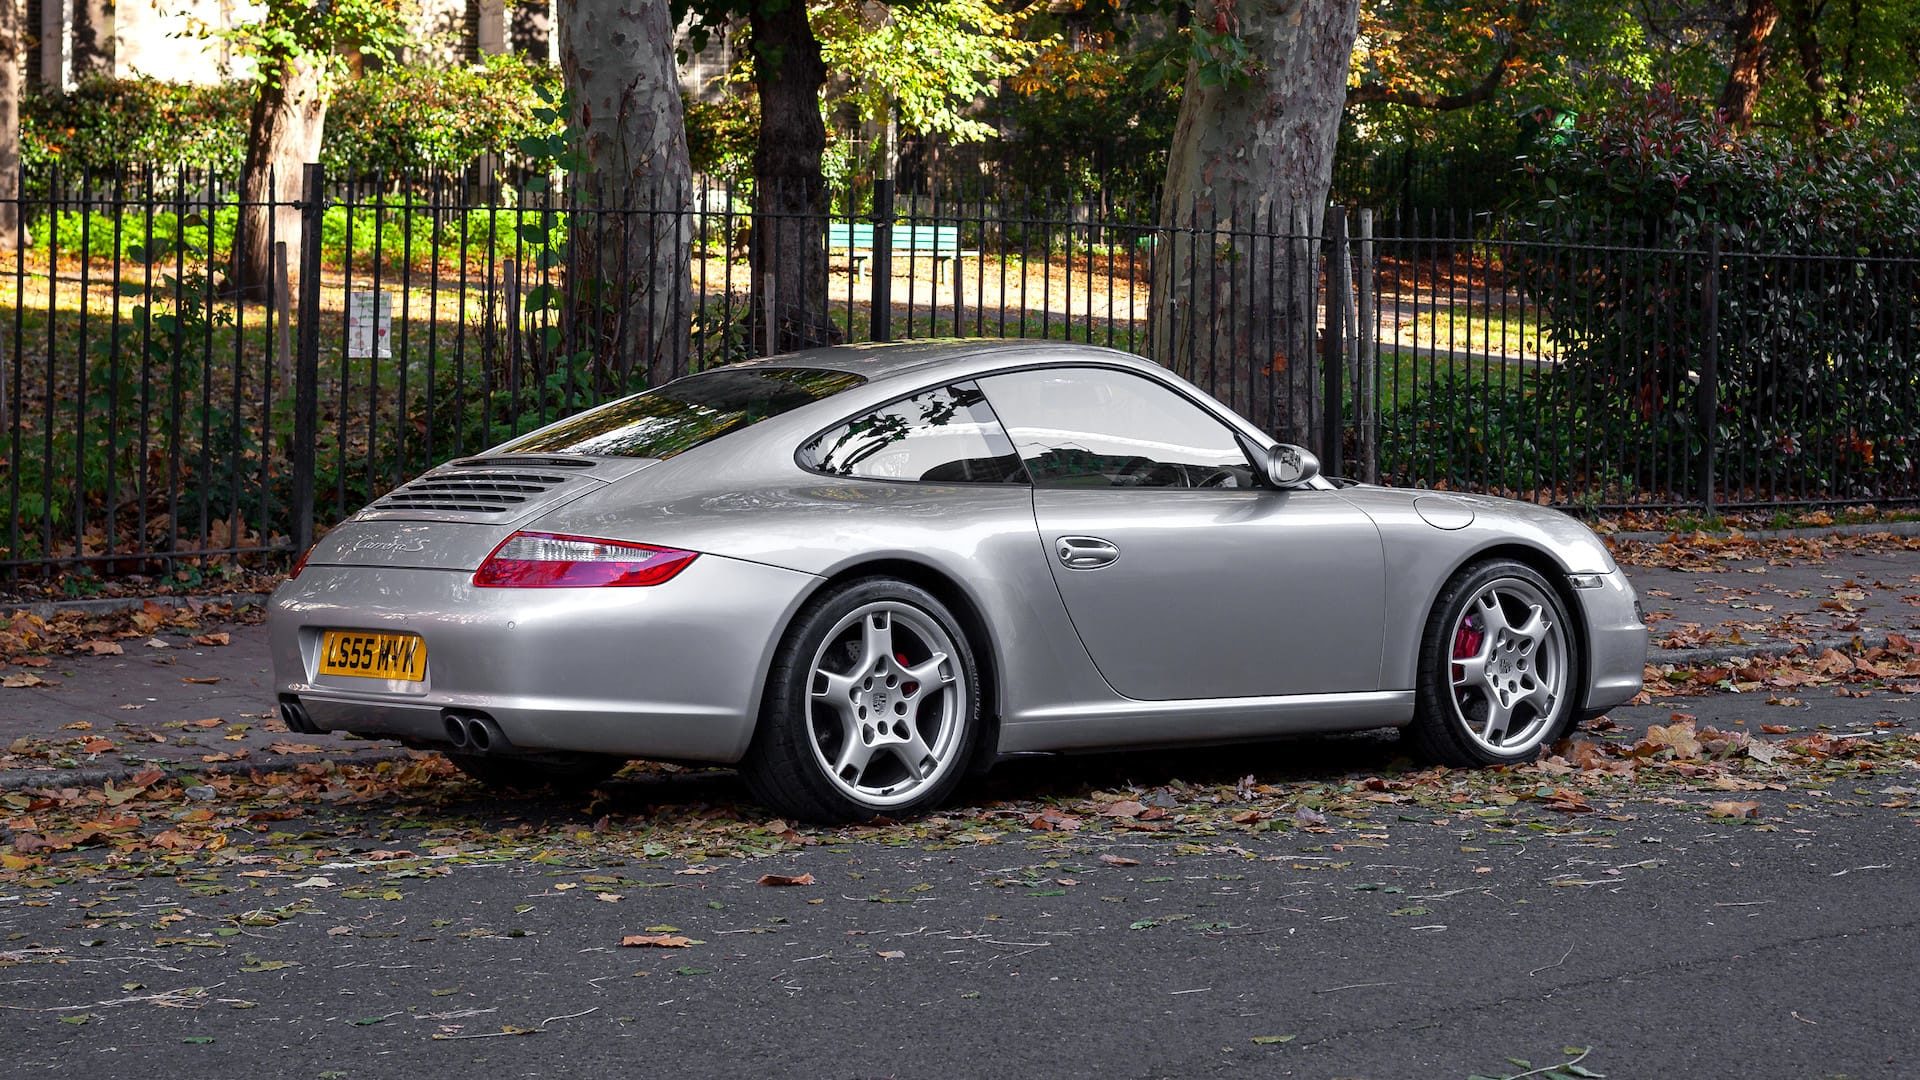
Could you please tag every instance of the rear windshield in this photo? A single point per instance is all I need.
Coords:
(687, 412)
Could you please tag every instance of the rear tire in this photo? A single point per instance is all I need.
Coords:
(571, 775)
(872, 707)
(1500, 672)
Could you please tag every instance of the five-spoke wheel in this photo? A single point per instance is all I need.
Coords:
(870, 709)
(1496, 673)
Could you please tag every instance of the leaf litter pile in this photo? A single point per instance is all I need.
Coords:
(29, 642)
(1702, 552)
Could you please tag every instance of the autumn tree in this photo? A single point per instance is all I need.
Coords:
(623, 85)
(299, 51)
(1252, 153)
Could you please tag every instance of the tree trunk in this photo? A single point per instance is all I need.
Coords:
(633, 292)
(1247, 181)
(283, 134)
(788, 249)
(1749, 64)
(10, 76)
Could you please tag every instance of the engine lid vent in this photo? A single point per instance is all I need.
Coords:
(488, 492)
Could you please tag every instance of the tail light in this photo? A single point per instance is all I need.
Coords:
(536, 560)
(300, 563)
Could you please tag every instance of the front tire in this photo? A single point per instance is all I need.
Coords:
(871, 708)
(1499, 672)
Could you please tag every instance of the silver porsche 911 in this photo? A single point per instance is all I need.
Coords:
(859, 573)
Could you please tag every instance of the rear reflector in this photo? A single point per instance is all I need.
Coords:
(535, 560)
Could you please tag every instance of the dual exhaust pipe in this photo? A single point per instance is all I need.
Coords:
(470, 733)
(476, 734)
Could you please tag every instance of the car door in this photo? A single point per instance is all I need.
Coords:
(1183, 579)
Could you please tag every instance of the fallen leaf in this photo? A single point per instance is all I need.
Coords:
(786, 879)
(23, 679)
(1119, 860)
(655, 941)
(293, 748)
(218, 638)
(1271, 1040)
(891, 954)
(1734, 809)
(201, 680)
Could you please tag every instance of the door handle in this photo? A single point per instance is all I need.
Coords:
(1085, 552)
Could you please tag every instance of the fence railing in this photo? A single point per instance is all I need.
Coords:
(165, 411)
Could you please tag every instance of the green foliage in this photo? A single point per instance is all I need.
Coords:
(426, 117)
(1096, 117)
(721, 135)
(113, 124)
(1811, 325)
(401, 118)
(922, 64)
(331, 33)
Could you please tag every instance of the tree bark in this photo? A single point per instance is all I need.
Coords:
(788, 248)
(630, 252)
(1247, 181)
(11, 13)
(1748, 68)
(283, 134)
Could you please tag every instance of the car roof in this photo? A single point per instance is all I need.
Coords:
(884, 360)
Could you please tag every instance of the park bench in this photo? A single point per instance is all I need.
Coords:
(941, 243)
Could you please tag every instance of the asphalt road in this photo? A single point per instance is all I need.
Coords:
(1420, 944)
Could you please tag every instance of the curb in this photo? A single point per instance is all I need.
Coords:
(1897, 528)
(1773, 651)
(97, 775)
(46, 609)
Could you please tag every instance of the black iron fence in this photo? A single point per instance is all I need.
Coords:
(166, 409)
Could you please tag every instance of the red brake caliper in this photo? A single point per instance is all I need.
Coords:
(906, 687)
(1467, 641)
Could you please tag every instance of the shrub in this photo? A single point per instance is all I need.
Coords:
(421, 117)
(398, 119)
(1814, 312)
(114, 125)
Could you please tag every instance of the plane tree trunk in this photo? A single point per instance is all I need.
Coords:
(629, 251)
(283, 134)
(1253, 157)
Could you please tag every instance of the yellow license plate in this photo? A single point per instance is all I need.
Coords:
(369, 654)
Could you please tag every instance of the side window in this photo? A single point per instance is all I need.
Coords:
(1098, 428)
(948, 436)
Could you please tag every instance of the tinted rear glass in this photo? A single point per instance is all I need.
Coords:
(687, 412)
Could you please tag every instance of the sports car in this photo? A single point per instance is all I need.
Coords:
(860, 573)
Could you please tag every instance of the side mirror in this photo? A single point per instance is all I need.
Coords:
(1290, 466)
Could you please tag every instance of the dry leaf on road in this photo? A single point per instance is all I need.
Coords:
(786, 879)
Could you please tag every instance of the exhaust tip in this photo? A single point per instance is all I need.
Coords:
(296, 718)
(457, 732)
(479, 736)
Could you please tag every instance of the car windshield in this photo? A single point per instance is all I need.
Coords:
(686, 412)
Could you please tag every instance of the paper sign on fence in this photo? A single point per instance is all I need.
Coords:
(369, 325)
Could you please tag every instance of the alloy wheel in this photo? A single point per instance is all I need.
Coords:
(886, 703)
(1507, 666)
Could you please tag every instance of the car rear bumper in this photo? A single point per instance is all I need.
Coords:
(1616, 641)
(672, 671)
